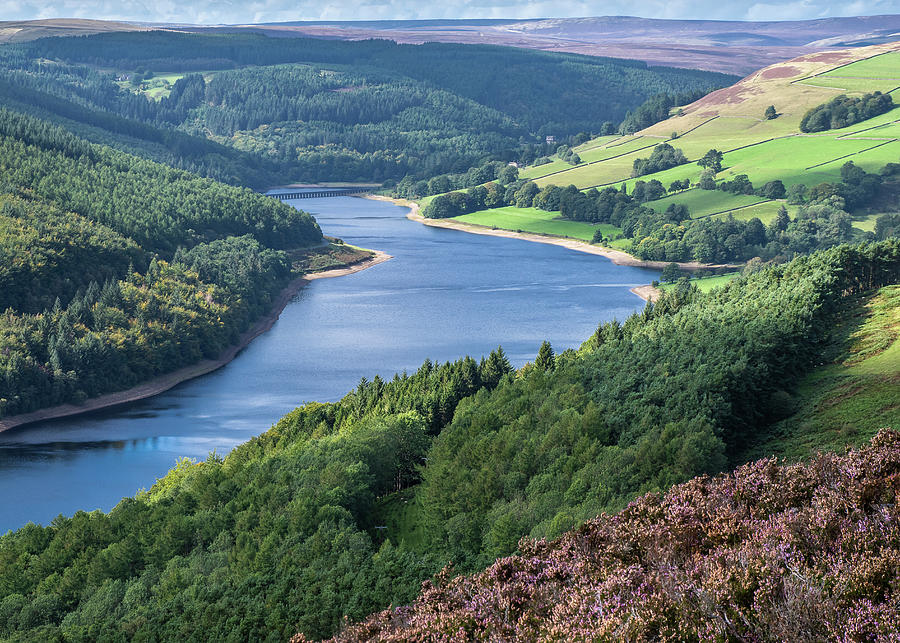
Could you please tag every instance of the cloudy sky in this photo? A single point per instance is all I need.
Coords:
(245, 11)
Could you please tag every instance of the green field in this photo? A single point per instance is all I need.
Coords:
(702, 203)
(883, 66)
(560, 169)
(600, 141)
(705, 284)
(879, 73)
(536, 221)
(159, 86)
(852, 84)
(398, 518)
(537, 171)
(890, 130)
(786, 158)
(865, 223)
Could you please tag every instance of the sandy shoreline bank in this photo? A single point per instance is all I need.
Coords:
(165, 382)
(616, 256)
(647, 293)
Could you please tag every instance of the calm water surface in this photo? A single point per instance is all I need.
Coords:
(444, 295)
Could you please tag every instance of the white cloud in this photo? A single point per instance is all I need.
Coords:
(235, 11)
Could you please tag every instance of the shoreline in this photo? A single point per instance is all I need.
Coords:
(647, 293)
(163, 383)
(618, 257)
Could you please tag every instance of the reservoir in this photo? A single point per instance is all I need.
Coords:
(444, 295)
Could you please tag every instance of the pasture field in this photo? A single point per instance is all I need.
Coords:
(559, 168)
(865, 223)
(636, 145)
(764, 211)
(160, 85)
(705, 284)
(537, 171)
(886, 131)
(790, 158)
(702, 203)
(851, 85)
(400, 512)
(886, 65)
(536, 221)
(601, 141)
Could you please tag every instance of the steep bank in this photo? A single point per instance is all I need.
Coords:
(616, 256)
(165, 382)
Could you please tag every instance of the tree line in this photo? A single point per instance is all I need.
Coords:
(844, 111)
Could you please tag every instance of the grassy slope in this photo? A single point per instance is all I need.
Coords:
(703, 203)
(853, 394)
(705, 284)
(732, 118)
(538, 222)
(399, 519)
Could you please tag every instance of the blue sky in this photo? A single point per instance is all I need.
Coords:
(244, 11)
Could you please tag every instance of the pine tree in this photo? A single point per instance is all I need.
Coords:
(546, 360)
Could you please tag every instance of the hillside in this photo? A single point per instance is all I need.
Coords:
(247, 108)
(755, 148)
(770, 552)
(25, 30)
(331, 514)
(732, 121)
(117, 269)
(853, 394)
(728, 46)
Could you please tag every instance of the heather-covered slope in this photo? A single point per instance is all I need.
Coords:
(806, 552)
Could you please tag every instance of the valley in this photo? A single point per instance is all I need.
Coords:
(673, 414)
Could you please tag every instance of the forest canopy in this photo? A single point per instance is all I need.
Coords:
(844, 111)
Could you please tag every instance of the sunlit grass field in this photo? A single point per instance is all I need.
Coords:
(705, 284)
(883, 66)
(703, 203)
(538, 222)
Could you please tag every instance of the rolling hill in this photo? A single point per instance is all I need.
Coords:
(732, 121)
(729, 46)
(256, 110)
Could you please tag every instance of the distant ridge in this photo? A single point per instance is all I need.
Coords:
(730, 46)
(24, 30)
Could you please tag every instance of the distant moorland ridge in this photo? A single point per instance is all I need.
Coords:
(735, 47)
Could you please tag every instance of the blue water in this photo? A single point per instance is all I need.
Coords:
(445, 294)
